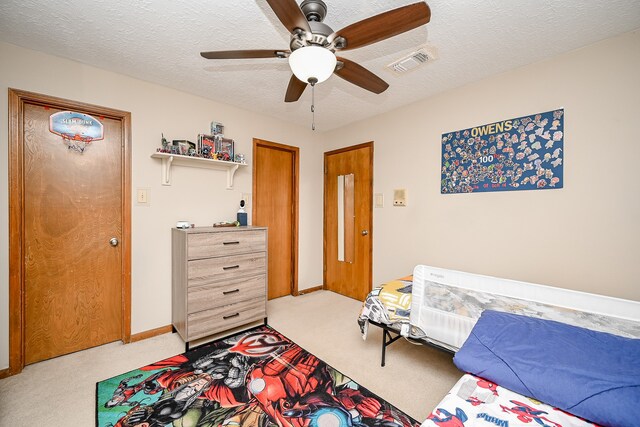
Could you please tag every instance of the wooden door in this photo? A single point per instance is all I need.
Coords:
(75, 277)
(275, 205)
(348, 181)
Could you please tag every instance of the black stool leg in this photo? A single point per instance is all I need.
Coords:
(384, 346)
(387, 340)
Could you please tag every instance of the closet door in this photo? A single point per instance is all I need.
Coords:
(275, 184)
(348, 239)
(75, 286)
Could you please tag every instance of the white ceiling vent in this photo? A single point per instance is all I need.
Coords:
(413, 60)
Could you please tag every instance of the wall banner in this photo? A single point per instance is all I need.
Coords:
(525, 153)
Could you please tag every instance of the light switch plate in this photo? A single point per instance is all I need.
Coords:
(142, 196)
(379, 200)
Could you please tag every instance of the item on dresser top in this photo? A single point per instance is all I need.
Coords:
(594, 375)
(254, 378)
(241, 215)
(226, 224)
(183, 224)
(219, 279)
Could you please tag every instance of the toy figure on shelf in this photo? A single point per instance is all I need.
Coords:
(217, 128)
(206, 151)
(165, 146)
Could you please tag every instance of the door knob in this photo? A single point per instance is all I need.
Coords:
(365, 232)
(113, 241)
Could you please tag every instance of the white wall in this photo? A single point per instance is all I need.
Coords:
(584, 236)
(198, 195)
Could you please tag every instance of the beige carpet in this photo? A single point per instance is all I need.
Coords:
(61, 391)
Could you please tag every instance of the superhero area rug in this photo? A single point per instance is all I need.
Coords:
(257, 378)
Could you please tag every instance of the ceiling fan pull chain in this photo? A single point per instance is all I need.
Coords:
(313, 107)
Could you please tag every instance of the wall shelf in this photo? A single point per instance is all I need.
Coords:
(169, 160)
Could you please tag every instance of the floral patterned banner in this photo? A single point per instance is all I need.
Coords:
(525, 153)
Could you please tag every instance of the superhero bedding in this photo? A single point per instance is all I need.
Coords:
(256, 378)
(591, 374)
(445, 307)
(389, 304)
(474, 401)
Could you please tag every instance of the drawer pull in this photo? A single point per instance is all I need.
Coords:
(233, 267)
(230, 292)
(231, 243)
(231, 316)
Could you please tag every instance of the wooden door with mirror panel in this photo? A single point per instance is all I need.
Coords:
(275, 206)
(348, 192)
(76, 226)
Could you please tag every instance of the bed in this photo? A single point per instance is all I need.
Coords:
(450, 309)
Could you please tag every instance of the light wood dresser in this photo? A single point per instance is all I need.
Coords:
(219, 277)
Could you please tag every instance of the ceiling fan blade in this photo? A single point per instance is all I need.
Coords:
(295, 89)
(244, 54)
(360, 76)
(384, 25)
(290, 14)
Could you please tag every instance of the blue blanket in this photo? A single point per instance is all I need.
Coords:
(593, 375)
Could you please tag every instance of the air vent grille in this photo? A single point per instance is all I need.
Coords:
(413, 60)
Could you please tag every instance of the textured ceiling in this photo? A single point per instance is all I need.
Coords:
(160, 41)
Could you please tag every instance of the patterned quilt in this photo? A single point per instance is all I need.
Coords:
(389, 304)
(474, 401)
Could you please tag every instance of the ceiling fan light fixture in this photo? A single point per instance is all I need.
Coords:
(312, 62)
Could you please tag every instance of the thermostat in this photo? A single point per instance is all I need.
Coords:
(400, 197)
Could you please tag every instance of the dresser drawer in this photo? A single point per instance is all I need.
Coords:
(209, 296)
(213, 270)
(203, 245)
(219, 319)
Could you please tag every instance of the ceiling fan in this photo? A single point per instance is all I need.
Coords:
(313, 44)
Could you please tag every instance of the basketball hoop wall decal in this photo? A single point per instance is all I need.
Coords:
(76, 129)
